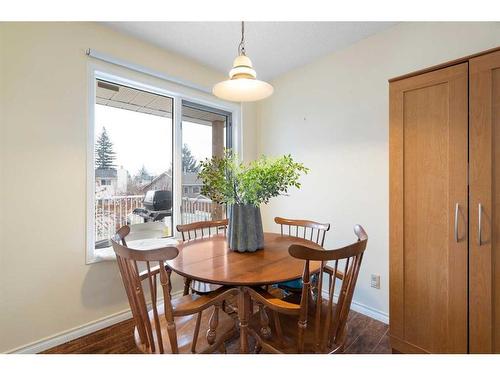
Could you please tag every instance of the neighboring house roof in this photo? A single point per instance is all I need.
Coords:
(188, 179)
(156, 179)
(191, 178)
(105, 173)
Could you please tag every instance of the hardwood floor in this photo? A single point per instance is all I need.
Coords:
(365, 336)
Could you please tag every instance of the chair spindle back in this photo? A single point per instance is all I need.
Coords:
(130, 261)
(306, 229)
(202, 229)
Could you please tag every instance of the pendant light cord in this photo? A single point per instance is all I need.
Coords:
(241, 46)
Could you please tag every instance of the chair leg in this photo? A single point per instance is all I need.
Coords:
(213, 323)
(196, 332)
(265, 330)
(277, 327)
(187, 285)
(172, 335)
(302, 325)
(222, 348)
(258, 347)
(169, 274)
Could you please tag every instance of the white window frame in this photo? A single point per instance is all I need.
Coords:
(178, 93)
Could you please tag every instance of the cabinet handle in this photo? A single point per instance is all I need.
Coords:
(480, 214)
(456, 222)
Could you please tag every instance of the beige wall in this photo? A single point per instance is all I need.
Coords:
(332, 115)
(46, 288)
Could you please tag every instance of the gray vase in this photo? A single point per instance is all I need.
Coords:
(244, 232)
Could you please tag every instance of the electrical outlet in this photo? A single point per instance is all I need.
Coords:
(375, 281)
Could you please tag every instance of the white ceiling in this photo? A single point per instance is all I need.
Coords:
(274, 47)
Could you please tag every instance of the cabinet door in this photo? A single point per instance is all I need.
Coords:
(428, 212)
(484, 261)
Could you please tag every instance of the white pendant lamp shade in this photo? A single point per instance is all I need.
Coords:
(242, 85)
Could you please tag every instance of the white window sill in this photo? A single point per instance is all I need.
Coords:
(140, 238)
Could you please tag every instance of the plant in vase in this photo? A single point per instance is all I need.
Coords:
(243, 188)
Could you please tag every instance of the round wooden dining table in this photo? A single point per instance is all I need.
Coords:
(209, 259)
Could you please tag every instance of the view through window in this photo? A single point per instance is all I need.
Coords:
(133, 171)
(133, 162)
(204, 134)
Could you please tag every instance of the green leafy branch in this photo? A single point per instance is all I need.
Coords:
(228, 181)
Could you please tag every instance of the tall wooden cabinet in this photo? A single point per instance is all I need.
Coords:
(445, 208)
(484, 198)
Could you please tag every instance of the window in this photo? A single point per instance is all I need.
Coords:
(133, 145)
(204, 134)
(134, 153)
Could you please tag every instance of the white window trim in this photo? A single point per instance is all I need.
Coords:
(159, 86)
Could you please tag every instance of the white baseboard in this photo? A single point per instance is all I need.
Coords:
(364, 309)
(74, 333)
(71, 334)
(370, 311)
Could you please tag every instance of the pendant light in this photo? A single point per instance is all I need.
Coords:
(242, 85)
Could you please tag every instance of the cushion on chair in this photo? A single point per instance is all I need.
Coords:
(295, 284)
(292, 284)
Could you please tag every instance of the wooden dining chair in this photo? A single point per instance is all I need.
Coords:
(201, 229)
(307, 229)
(310, 326)
(168, 325)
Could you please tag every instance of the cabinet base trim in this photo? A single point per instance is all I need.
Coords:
(405, 347)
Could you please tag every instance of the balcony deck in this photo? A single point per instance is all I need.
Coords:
(114, 212)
